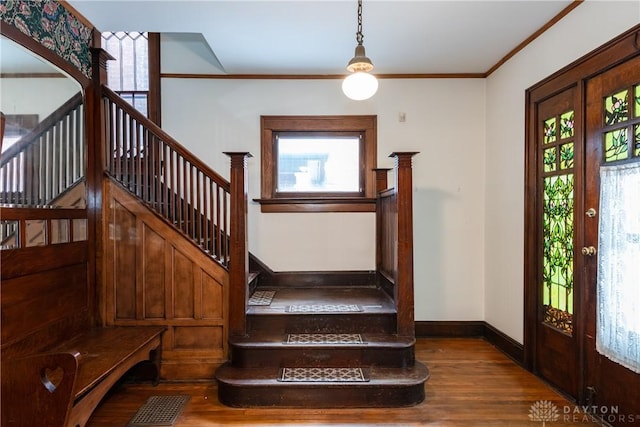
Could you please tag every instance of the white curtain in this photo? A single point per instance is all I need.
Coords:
(618, 312)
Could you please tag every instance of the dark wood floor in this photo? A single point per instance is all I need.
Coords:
(471, 384)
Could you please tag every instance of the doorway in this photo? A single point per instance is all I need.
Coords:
(585, 117)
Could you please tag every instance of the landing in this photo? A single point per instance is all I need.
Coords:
(368, 299)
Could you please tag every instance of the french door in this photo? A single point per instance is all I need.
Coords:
(557, 288)
(612, 237)
(582, 286)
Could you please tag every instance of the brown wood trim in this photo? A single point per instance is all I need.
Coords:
(31, 260)
(77, 14)
(31, 75)
(329, 204)
(15, 214)
(154, 101)
(319, 76)
(564, 12)
(505, 343)
(469, 329)
(449, 329)
(315, 278)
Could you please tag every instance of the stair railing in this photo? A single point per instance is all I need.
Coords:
(48, 160)
(394, 238)
(179, 187)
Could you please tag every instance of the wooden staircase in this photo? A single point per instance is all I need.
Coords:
(307, 328)
(270, 362)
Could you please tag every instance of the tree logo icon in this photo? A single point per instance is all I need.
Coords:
(544, 411)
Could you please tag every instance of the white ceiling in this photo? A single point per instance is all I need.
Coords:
(318, 37)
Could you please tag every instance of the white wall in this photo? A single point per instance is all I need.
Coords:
(468, 179)
(25, 95)
(590, 25)
(445, 121)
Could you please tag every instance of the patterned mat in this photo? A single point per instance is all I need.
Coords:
(324, 375)
(324, 308)
(314, 339)
(159, 411)
(262, 298)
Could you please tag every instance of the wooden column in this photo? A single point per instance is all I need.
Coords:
(95, 134)
(238, 245)
(404, 272)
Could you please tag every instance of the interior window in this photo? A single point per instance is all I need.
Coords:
(318, 163)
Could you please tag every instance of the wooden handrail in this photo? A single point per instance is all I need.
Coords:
(173, 182)
(47, 161)
(28, 139)
(161, 134)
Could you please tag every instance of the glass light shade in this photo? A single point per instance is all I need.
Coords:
(360, 86)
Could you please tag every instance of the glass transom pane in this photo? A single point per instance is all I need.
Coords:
(313, 164)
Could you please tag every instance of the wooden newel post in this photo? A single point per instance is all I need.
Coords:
(96, 155)
(404, 270)
(238, 245)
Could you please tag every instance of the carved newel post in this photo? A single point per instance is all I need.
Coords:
(404, 271)
(239, 247)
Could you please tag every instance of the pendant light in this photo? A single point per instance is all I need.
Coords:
(360, 85)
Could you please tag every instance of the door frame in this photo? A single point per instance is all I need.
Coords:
(603, 58)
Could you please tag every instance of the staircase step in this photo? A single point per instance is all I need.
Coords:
(382, 387)
(264, 349)
(324, 310)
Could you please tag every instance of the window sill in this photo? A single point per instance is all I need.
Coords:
(324, 204)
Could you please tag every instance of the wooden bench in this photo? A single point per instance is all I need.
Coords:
(63, 386)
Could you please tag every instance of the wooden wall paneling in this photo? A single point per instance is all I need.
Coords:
(33, 301)
(125, 259)
(153, 266)
(183, 282)
(173, 283)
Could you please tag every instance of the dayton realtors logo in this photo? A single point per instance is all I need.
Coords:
(545, 411)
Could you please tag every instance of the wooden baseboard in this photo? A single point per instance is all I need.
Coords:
(473, 328)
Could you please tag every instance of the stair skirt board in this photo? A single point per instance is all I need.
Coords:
(328, 339)
(322, 375)
(261, 298)
(324, 308)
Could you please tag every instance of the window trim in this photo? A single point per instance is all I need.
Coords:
(311, 202)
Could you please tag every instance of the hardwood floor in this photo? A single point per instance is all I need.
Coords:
(471, 384)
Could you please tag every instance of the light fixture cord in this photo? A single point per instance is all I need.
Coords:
(359, 36)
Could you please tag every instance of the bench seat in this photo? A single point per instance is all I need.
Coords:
(63, 386)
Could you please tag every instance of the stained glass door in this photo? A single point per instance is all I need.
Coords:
(556, 342)
(612, 238)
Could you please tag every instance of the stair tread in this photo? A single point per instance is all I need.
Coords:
(369, 299)
(377, 376)
(277, 339)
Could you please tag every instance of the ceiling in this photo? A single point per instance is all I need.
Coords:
(318, 37)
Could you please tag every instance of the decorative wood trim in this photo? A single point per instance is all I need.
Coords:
(365, 125)
(155, 114)
(564, 12)
(314, 279)
(32, 75)
(319, 76)
(469, 329)
(505, 343)
(450, 329)
(238, 244)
